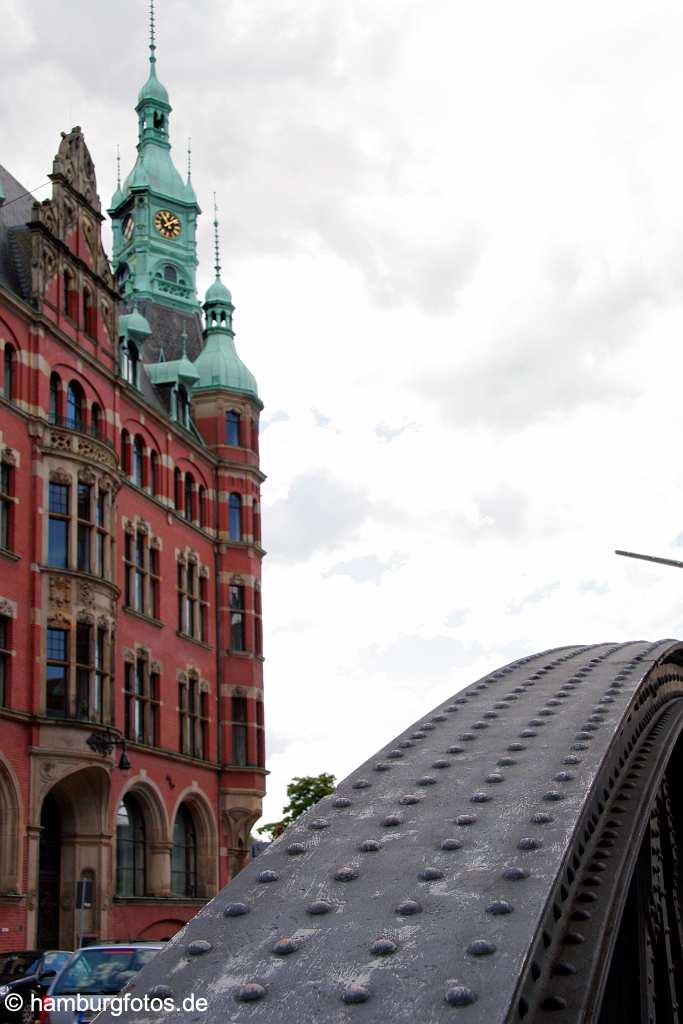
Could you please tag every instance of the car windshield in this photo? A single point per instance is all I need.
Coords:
(102, 971)
(17, 965)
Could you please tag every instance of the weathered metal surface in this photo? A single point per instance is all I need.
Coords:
(475, 869)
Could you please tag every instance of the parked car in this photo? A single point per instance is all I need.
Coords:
(27, 972)
(95, 974)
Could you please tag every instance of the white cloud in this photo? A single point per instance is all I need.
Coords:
(456, 232)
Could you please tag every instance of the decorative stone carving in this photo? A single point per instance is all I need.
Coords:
(181, 677)
(86, 476)
(104, 622)
(9, 456)
(8, 608)
(129, 656)
(74, 163)
(95, 452)
(86, 593)
(60, 591)
(59, 620)
(155, 668)
(60, 476)
(87, 617)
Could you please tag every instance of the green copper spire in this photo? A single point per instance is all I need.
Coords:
(154, 213)
(218, 364)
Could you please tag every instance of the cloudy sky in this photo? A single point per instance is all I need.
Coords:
(454, 235)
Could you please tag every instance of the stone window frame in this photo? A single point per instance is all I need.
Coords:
(69, 624)
(193, 714)
(142, 686)
(138, 532)
(192, 597)
(8, 499)
(101, 485)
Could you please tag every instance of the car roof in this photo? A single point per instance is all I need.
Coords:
(124, 945)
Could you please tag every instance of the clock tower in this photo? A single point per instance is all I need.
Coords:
(154, 213)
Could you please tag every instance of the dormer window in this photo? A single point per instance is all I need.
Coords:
(130, 360)
(183, 406)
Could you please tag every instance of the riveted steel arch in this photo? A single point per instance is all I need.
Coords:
(513, 856)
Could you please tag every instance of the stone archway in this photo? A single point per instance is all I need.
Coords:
(74, 843)
(11, 828)
(207, 840)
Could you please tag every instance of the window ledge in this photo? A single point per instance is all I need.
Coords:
(198, 901)
(193, 640)
(143, 618)
(11, 556)
(239, 654)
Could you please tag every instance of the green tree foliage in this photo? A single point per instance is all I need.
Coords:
(303, 792)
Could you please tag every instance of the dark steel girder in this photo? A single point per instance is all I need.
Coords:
(512, 856)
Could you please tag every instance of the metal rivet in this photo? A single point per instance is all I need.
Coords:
(579, 746)
(515, 874)
(426, 780)
(405, 744)
(573, 939)
(391, 820)
(438, 718)
(553, 796)
(454, 750)
(354, 993)
(285, 946)
(499, 907)
(467, 737)
(480, 798)
(506, 762)
(563, 968)
(430, 875)
(383, 947)
(459, 995)
(409, 798)
(529, 842)
(319, 823)
(235, 910)
(341, 801)
(517, 746)
(527, 733)
(346, 874)
(319, 907)
(572, 759)
(361, 784)
(554, 1003)
(267, 876)
(451, 844)
(370, 846)
(495, 777)
(395, 754)
(417, 735)
(466, 819)
(160, 992)
(251, 993)
(480, 947)
(199, 947)
(480, 725)
(381, 766)
(408, 907)
(564, 777)
(428, 726)
(441, 764)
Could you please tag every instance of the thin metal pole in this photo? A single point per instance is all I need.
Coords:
(651, 558)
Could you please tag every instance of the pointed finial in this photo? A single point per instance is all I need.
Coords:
(118, 166)
(217, 245)
(189, 159)
(152, 41)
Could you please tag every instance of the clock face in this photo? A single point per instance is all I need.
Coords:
(167, 224)
(128, 228)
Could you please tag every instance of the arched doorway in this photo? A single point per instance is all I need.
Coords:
(49, 875)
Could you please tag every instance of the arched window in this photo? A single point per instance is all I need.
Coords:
(183, 406)
(232, 428)
(256, 509)
(138, 465)
(9, 384)
(67, 285)
(189, 488)
(235, 525)
(130, 849)
(74, 406)
(177, 489)
(184, 855)
(125, 451)
(89, 320)
(201, 502)
(55, 389)
(130, 359)
(96, 420)
(170, 273)
(154, 472)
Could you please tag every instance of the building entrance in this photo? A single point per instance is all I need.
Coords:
(49, 875)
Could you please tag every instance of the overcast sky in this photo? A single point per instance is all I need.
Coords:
(454, 236)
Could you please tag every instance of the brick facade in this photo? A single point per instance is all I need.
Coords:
(122, 611)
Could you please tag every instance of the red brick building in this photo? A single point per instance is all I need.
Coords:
(130, 612)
